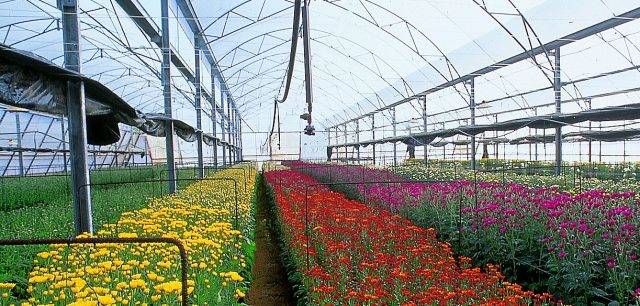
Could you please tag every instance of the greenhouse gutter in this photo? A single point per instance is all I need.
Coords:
(565, 40)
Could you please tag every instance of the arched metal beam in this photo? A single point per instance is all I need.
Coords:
(262, 35)
(226, 15)
(451, 68)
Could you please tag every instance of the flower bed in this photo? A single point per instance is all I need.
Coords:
(362, 255)
(574, 178)
(48, 211)
(582, 248)
(201, 216)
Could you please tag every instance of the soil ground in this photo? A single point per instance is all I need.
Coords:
(269, 285)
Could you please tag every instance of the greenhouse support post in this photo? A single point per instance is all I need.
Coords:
(600, 146)
(590, 142)
(472, 109)
(229, 129)
(63, 141)
(222, 129)
(373, 137)
(240, 153)
(237, 129)
(346, 149)
(395, 146)
(424, 127)
(557, 87)
(238, 133)
(495, 134)
(198, 103)
(358, 140)
(328, 130)
(214, 123)
(232, 113)
(19, 145)
(76, 112)
(535, 112)
(166, 91)
(337, 148)
(444, 147)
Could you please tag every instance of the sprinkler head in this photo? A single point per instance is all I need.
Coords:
(309, 130)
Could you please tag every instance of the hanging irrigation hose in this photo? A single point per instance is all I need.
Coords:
(292, 60)
(276, 117)
(294, 47)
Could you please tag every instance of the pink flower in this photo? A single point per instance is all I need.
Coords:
(555, 213)
(510, 212)
(583, 227)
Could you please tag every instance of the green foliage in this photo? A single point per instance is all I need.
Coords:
(575, 178)
(42, 208)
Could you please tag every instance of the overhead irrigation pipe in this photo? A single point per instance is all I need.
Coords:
(292, 60)
(309, 130)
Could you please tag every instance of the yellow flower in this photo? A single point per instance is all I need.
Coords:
(83, 303)
(106, 300)
(169, 287)
(44, 255)
(137, 283)
(127, 235)
(234, 276)
(8, 286)
(201, 216)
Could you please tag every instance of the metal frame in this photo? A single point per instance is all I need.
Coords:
(549, 50)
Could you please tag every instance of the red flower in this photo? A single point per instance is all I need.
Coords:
(363, 255)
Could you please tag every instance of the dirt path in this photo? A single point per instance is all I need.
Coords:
(269, 285)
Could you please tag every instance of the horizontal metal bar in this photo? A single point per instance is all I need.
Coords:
(142, 19)
(184, 261)
(573, 37)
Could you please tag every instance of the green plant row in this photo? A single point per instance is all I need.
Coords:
(572, 180)
(17, 192)
(54, 218)
(604, 171)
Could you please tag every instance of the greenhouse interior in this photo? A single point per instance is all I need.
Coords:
(325, 152)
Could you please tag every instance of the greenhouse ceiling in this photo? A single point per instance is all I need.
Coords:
(366, 55)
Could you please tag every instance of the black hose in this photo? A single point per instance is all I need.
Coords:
(294, 47)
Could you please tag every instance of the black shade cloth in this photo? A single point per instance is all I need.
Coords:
(613, 113)
(31, 82)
